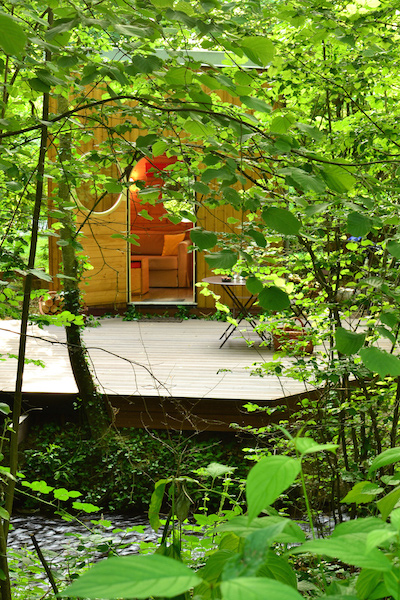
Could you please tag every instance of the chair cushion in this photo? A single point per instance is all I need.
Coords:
(171, 243)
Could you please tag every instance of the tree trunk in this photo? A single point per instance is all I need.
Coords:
(97, 409)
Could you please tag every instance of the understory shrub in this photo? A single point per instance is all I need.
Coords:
(119, 473)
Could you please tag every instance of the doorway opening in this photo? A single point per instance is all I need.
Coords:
(161, 266)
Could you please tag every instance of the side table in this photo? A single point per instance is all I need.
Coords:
(139, 276)
(240, 304)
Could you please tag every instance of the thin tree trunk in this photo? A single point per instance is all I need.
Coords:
(98, 411)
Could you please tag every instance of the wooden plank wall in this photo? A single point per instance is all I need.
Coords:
(107, 283)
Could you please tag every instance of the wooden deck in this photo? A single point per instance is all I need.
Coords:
(156, 374)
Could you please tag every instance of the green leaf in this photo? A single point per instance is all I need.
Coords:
(255, 588)
(306, 445)
(393, 248)
(358, 224)
(380, 361)
(12, 36)
(215, 469)
(226, 259)
(347, 342)
(291, 534)
(366, 583)
(203, 239)
(267, 480)
(86, 507)
(387, 503)
(276, 567)
(254, 285)
(258, 237)
(351, 549)
(134, 577)
(4, 514)
(155, 503)
(259, 49)
(38, 85)
(4, 408)
(255, 104)
(359, 525)
(387, 457)
(338, 179)
(362, 492)
(303, 180)
(281, 124)
(273, 298)
(392, 582)
(281, 220)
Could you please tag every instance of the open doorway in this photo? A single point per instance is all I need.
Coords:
(161, 267)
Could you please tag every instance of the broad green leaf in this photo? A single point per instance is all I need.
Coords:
(306, 445)
(358, 224)
(291, 534)
(267, 480)
(203, 239)
(366, 583)
(38, 85)
(378, 538)
(201, 188)
(86, 507)
(255, 104)
(4, 408)
(134, 577)
(254, 285)
(302, 179)
(155, 503)
(12, 36)
(380, 361)
(281, 124)
(338, 179)
(179, 76)
(211, 572)
(226, 259)
(392, 582)
(113, 187)
(215, 469)
(393, 248)
(61, 494)
(258, 237)
(259, 49)
(359, 526)
(387, 457)
(362, 492)
(273, 298)
(351, 549)
(390, 319)
(281, 220)
(276, 567)
(4, 514)
(159, 148)
(257, 588)
(348, 342)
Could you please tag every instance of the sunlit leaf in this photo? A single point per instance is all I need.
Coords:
(267, 480)
(281, 220)
(387, 457)
(255, 588)
(12, 36)
(226, 259)
(134, 576)
(381, 362)
(348, 342)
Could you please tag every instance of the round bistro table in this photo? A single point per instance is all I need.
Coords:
(243, 307)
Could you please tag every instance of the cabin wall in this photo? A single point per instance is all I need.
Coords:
(107, 283)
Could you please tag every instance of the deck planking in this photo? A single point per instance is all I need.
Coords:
(155, 372)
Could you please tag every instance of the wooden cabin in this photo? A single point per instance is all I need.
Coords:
(156, 266)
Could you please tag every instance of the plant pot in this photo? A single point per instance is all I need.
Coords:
(288, 339)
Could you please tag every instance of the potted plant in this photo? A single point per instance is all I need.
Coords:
(293, 337)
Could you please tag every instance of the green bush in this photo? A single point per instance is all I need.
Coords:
(119, 473)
